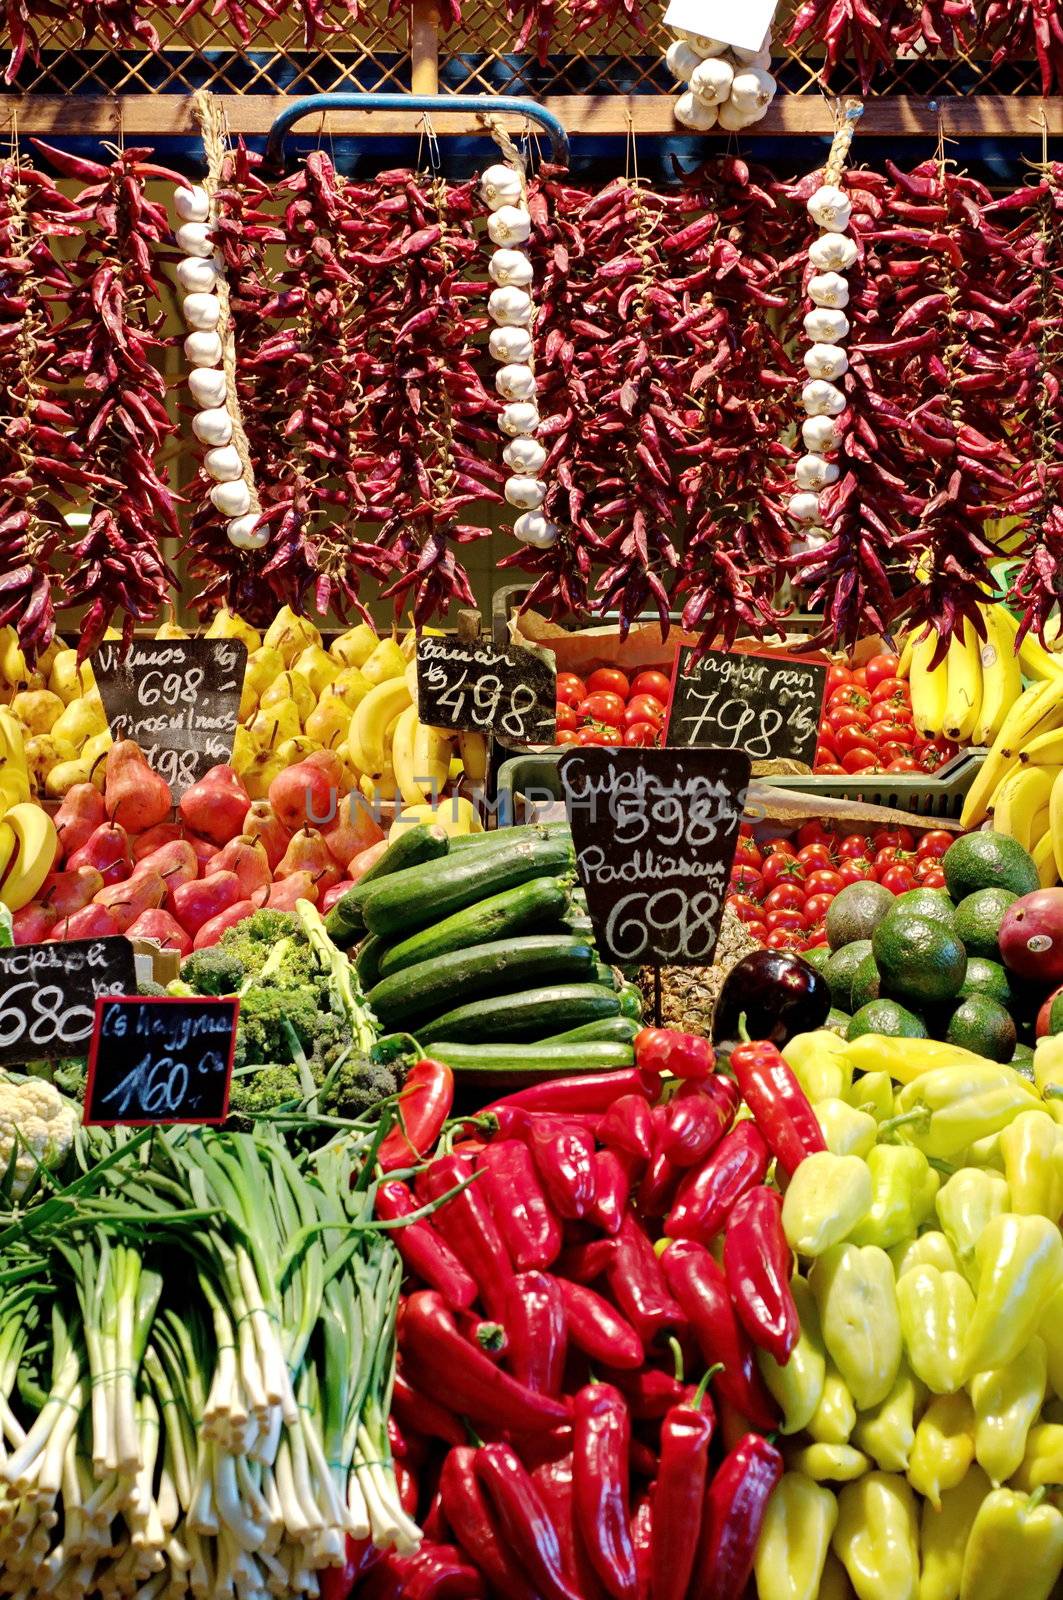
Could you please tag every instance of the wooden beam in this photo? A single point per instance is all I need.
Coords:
(902, 116)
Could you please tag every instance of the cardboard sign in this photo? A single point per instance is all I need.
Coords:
(156, 1059)
(768, 706)
(655, 834)
(472, 685)
(178, 698)
(48, 995)
(741, 22)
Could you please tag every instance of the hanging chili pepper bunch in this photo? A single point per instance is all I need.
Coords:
(1017, 30)
(873, 37)
(116, 21)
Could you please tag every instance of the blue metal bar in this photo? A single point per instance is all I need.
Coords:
(474, 104)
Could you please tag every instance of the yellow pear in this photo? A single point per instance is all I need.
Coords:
(270, 725)
(13, 668)
(257, 777)
(248, 703)
(317, 667)
(37, 709)
(386, 661)
(329, 722)
(290, 686)
(263, 665)
(43, 752)
(354, 646)
(88, 767)
(79, 721)
(47, 657)
(244, 750)
(171, 629)
(67, 679)
(225, 624)
(297, 749)
(97, 746)
(290, 634)
(351, 686)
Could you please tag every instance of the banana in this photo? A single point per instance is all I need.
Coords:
(1045, 861)
(8, 846)
(473, 750)
(36, 847)
(963, 697)
(370, 723)
(1046, 750)
(1022, 795)
(12, 741)
(432, 749)
(1037, 662)
(1055, 811)
(407, 772)
(1038, 710)
(1001, 676)
(904, 662)
(14, 788)
(929, 688)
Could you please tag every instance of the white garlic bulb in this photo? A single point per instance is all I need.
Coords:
(223, 464)
(711, 81)
(201, 311)
(820, 398)
(244, 532)
(803, 507)
(515, 382)
(733, 118)
(832, 252)
(830, 208)
(826, 326)
(193, 239)
(525, 456)
(695, 113)
(819, 433)
(207, 386)
(828, 289)
(510, 307)
(753, 89)
(813, 472)
(511, 266)
(681, 59)
(213, 426)
(192, 204)
(700, 42)
(527, 494)
(203, 349)
(509, 225)
(826, 361)
(510, 344)
(519, 419)
(533, 528)
(809, 539)
(232, 499)
(500, 186)
(197, 274)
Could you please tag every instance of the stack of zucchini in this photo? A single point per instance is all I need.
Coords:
(480, 948)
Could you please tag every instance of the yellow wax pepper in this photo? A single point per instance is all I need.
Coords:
(798, 1386)
(835, 1584)
(935, 1309)
(903, 1187)
(965, 1205)
(906, 1059)
(1032, 1147)
(931, 1249)
(872, 1093)
(795, 1539)
(846, 1131)
(820, 1063)
(835, 1417)
(1050, 1329)
(944, 1446)
(943, 1535)
(829, 1463)
(1042, 1461)
(983, 1153)
(1048, 1073)
(950, 1107)
(1015, 1549)
(876, 1539)
(1006, 1403)
(887, 1431)
(826, 1196)
(857, 1301)
(1020, 1267)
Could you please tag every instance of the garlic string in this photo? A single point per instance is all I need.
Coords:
(727, 87)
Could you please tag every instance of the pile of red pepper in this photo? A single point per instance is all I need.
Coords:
(578, 1411)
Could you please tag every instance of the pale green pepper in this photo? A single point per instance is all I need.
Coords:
(908, 1059)
(825, 1198)
(876, 1539)
(829, 1463)
(943, 1535)
(1015, 1551)
(983, 1153)
(966, 1204)
(903, 1187)
(847, 1132)
(820, 1063)
(857, 1300)
(944, 1446)
(887, 1431)
(935, 1309)
(1050, 1329)
(1032, 1147)
(798, 1386)
(931, 1249)
(1020, 1267)
(873, 1093)
(948, 1108)
(1007, 1401)
(794, 1539)
(1042, 1460)
(835, 1417)
(1048, 1073)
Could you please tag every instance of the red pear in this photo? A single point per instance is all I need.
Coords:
(329, 763)
(204, 851)
(135, 795)
(66, 892)
(247, 858)
(212, 931)
(80, 814)
(216, 806)
(304, 793)
(91, 922)
(360, 864)
(196, 903)
(126, 901)
(154, 838)
(106, 849)
(308, 852)
(34, 923)
(262, 823)
(176, 863)
(330, 896)
(162, 929)
(354, 830)
(282, 895)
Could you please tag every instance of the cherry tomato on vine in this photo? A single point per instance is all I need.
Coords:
(934, 843)
(640, 735)
(565, 715)
(611, 680)
(785, 896)
(879, 668)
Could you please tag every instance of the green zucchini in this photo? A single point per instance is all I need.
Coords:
(524, 1016)
(416, 993)
(539, 903)
(416, 845)
(620, 1030)
(630, 999)
(578, 923)
(424, 895)
(367, 961)
(605, 976)
(531, 1063)
(542, 830)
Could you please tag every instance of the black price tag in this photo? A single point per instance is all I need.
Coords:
(48, 995)
(156, 1059)
(471, 685)
(178, 698)
(768, 706)
(655, 834)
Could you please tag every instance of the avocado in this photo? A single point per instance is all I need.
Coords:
(855, 913)
(867, 982)
(988, 861)
(928, 903)
(978, 919)
(817, 957)
(987, 977)
(840, 971)
(980, 1024)
(887, 1017)
(919, 959)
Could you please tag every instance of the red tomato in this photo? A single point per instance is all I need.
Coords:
(780, 868)
(860, 759)
(850, 694)
(747, 853)
(830, 769)
(934, 843)
(744, 908)
(934, 880)
(884, 861)
(603, 707)
(812, 833)
(854, 844)
(589, 736)
(816, 908)
(837, 674)
(785, 917)
(779, 847)
(825, 881)
(825, 731)
(880, 667)
(748, 881)
(903, 764)
(894, 732)
(654, 683)
(640, 734)
(854, 739)
(898, 880)
(815, 855)
(565, 715)
(570, 688)
(893, 752)
(860, 676)
(890, 711)
(611, 679)
(894, 839)
(610, 736)
(650, 707)
(757, 930)
(782, 939)
(924, 866)
(887, 689)
(568, 736)
(935, 753)
(854, 869)
(846, 717)
(786, 896)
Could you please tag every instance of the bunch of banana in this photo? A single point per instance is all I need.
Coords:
(1018, 785)
(967, 694)
(28, 849)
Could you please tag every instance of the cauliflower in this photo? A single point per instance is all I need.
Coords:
(37, 1127)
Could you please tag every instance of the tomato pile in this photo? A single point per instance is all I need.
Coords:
(867, 723)
(783, 889)
(609, 708)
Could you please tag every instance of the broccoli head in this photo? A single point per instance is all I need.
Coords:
(148, 986)
(215, 970)
(356, 1085)
(253, 941)
(265, 1090)
(273, 1022)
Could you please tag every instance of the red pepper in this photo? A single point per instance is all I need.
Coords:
(555, 1481)
(602, 1441)
(701, 1289)
(490, 1337)
(337, 1582)
(612, 1189)
(733, 1516)
(598, 1330)
(643, 1526)
(422, 1250)
(589, 1091)
(582, 1263)
(564, 1157)
(468, 1227)
(436, 1572)
(662, 1176)
(531, 1231)
(680, 1055)
(471, 1521)
(423, 1107)
(524, 1520)
(628, 1126)
(697, 1119)
(419, 1415)
(758, 1263)
(638, 1285)
(706, 1195)
(453, 1368)
(779, 1105)
(650, 1392)
(686, 1434)
(538, 1332)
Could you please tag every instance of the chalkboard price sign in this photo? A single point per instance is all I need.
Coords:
(178, 698)
(655, 833)
(48, 995)
(474, 686)
(768, 706)
(160, 1059)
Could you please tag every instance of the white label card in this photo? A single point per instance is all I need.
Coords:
(744, 23)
